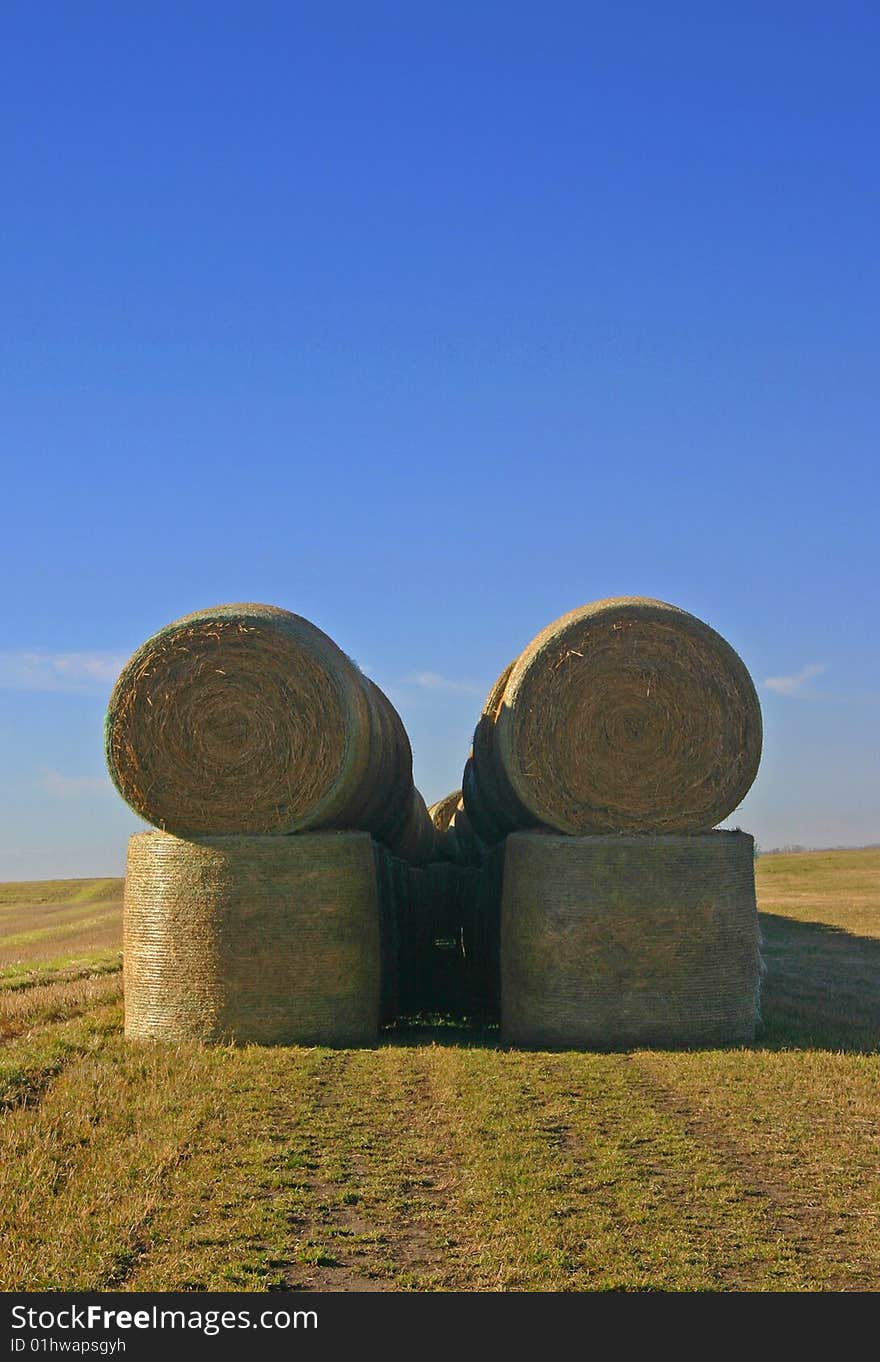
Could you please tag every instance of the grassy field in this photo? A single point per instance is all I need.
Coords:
(439, 1161)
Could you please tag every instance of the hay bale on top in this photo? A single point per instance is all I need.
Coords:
(456, 839)
(489, 798)
(468, 848)
(274, 940)
(415, 840)
(610, 942)
(628, 715)
(441, 813)
(247, 719)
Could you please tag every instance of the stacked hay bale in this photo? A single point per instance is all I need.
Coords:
(227, 730)
(269, 940)
(247, 719)
(456, 839)
(631, 728)
(610, 942)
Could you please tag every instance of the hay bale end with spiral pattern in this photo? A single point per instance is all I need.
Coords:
(628, 715)
(246, 719)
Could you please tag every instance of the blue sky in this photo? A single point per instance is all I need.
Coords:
(430, 323)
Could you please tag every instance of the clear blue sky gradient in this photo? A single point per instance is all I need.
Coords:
(430, 323)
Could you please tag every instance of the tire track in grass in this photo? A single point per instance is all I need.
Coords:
(224, 1224)
(377, 1165)
(786, 1124)
(302, 1184)
(571, 1180)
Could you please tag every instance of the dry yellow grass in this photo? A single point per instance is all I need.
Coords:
(40, 923)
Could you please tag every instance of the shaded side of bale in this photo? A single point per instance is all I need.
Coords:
(492, 804)
(415, 839)
(456, 839)
(612, 942)
(252, 939)
(391, 911)
(383, 805)
(628, 715)
(467, 849)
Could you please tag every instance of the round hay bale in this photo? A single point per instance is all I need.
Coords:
(469, 847)
(483, 815)
(491, 802)
(241, 719)
(384, 797)
(628, 715)
(416, 839)
(612, 942)
(441, 813)
(425, 845)
(248, 720)
(273, 940)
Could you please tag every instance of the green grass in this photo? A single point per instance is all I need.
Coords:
(439, 1161)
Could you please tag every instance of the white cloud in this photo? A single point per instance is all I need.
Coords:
(79, 673)
(71, 787)
(792, 685)
(431, 681)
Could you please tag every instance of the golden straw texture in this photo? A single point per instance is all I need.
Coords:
(274, 940)
(247, 719)
(627, 715)
(441, 813)
(611, 942)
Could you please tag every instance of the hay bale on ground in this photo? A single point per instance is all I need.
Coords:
(627, 715)
(611, 942)
(274, 940)
(248, 720)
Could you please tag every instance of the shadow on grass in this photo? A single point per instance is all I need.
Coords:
(821, 991)
(822, 987)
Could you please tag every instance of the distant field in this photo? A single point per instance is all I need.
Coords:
(439, 1161)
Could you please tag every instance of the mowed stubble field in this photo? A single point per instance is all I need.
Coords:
(439, 1161)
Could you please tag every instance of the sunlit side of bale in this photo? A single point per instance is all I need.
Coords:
(611, 942)
(274, 940)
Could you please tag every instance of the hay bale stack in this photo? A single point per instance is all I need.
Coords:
(627, 716)
(441, 813)
(464, 846)
(611, 942)
(456, 839)
(247, 719)
(273, 940)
